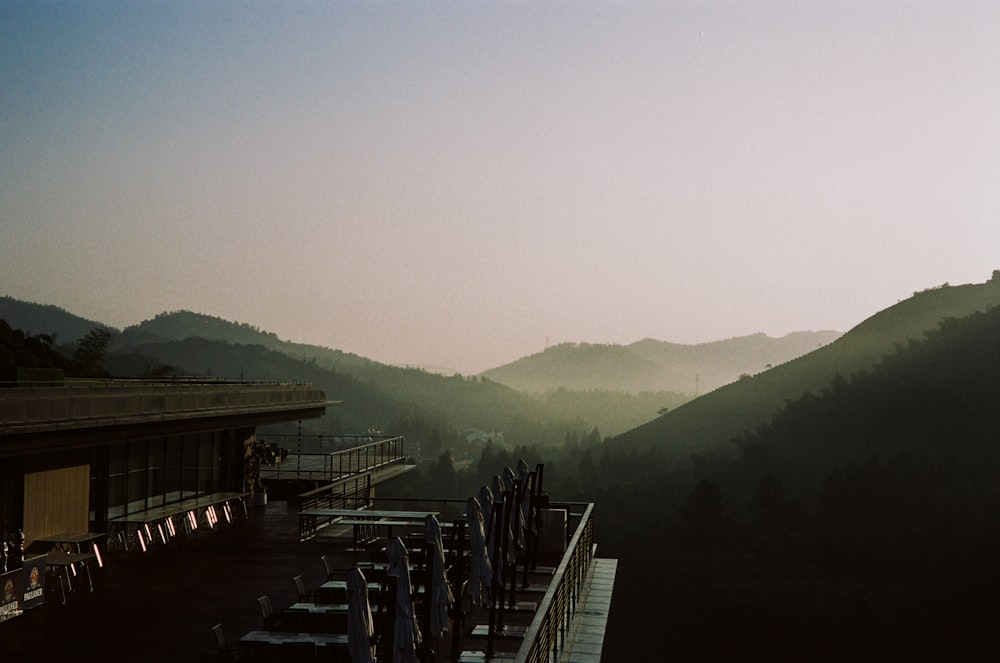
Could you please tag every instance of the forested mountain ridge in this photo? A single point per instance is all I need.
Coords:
(651, 365)
(34, 319)
(376, 395)
(585, 366)
(934, 398)
(466, 402)
(710, 422)
(180, 325)
(859, 523)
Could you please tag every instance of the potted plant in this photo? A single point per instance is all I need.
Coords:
(259, 453)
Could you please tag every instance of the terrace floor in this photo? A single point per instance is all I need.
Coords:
(160, 606)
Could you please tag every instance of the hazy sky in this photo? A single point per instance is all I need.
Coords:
(455, 184)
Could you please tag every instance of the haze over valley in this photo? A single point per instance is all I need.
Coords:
(461, 186)
(779, 479)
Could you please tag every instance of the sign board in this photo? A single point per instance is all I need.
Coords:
(33, 594)
(11, 590)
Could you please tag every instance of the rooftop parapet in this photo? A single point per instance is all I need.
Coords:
(116, 403)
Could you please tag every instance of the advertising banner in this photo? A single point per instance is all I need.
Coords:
(33, 594)
(11, 590)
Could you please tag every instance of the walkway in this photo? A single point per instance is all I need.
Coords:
(586, 635)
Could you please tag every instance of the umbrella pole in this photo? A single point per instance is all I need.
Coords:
(495, 528)
(516, 518)
(505, 536)
(426, 650)
(538, 502)
(529, 534)
(499, 553)
(457, 624)
(457, 612)
(387, 618)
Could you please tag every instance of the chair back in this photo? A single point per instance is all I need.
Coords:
(327, 567)
(227, 650)
(300, 587)
(220, 638)
(266, 610)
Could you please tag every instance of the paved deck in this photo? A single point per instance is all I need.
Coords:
(586, 632)
(160, 606)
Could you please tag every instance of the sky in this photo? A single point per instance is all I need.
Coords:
(456, 185)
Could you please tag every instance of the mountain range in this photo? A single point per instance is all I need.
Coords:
(569, 387)
(652, 365)
(710, 422)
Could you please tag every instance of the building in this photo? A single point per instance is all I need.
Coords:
(131, 466)
(114, 457)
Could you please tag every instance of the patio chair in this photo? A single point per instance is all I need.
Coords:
(227, 650)
(300, 587)
(327, 567)
(266, 612)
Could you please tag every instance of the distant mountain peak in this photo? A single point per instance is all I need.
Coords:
(652, 365)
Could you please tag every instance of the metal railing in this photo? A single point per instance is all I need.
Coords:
(82, 406)
(546, 636)
(336, 465)
(353, 493)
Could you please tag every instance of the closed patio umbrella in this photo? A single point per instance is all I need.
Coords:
(499, 487)
(441, 597)
(524, 503)
(360, 628)
(480, 569)
(508, 478)
(486, 504)
(406, 634)
(517, 518)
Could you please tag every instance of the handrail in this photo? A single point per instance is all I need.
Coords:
(71, 382)
(336, 465)
(547, 632)
(77, 406)
(351, 493)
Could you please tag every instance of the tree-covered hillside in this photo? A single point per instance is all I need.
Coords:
(180, 325)
(654, 366)
(937, 398)
(44, 319)
(710, 422)
(717, 363)
(33, 360)
(456, 402)
(19, 349)
(861, 523)
(584, 366)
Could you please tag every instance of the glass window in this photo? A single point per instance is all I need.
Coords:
(189, 467)
(117, 471)
(173, 467)
(137, 476)
(206, 463)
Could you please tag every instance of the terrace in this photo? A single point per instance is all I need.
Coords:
(161, 605)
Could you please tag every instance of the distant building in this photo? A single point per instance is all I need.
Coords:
(482, 437)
